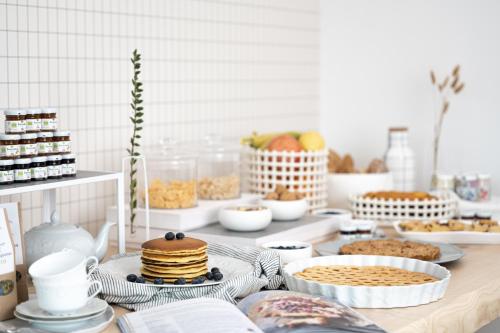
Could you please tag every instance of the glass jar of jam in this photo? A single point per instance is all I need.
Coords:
(39, 168)
(61, 142)
(33, 120)
(68, 163)
(22, 170)
(6, 172)
(44, 143)
(9, 146)
(49, 120)
(15, 121)
(348, 231)
(54, 167)
(29, 146)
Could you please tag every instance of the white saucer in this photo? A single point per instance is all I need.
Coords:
(30, 309)
(92, 324)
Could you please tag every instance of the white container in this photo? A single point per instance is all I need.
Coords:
(400, 160)
(372, 297)
(286, 210)
(304, 171)
(289, 255)
(240, 220)
(342, 185)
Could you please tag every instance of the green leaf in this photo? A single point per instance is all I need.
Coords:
(137, 136)
(139, 121)
(139, 114)
(138, 128)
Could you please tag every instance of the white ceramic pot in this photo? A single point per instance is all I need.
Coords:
(241, 220)
(286, 210)
(289, 255)
(342, 185)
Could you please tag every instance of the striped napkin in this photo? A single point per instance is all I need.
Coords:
(135, 296)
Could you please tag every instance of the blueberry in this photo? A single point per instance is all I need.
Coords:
(180, 281)
(179, 235)
(169, 235)
(218, 276)
(131, 277)
(214, 270)
(140, 279)
(198, 280)
(209, 276)
(158, 281)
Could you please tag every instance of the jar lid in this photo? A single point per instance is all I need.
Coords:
(484, 215)
(23, 161)
(214, 143)
(34, 111)
(348, 227)
(15, 112)
(62, 133)
(10, 137)
(365, 227)
(6, 162)
(68, 156)
(171, 150)
(54, 158)
(467, 214)
(49, 110)
(44, 135)
(28, 136)
(39, 159)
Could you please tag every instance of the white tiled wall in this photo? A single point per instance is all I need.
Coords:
(225, 66)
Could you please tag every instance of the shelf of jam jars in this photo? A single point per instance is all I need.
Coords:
(48, 188)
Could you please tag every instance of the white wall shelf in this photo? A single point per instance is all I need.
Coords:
(48, 187)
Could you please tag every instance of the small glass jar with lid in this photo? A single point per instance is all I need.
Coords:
(9, 146)
(33, 120)
(54, 167)
(29, 145)
(171, 177)
(61, 142)
(68, 163)
(39, 169)
(15, 121)
(44, 143)
(219, 169)
(22, 170)
(49, 120)
(6, 172)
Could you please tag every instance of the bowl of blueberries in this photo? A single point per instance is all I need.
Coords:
(290, 250)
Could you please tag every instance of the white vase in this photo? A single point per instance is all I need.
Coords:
(400, 160)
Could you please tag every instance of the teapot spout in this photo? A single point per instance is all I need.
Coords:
(101, 242)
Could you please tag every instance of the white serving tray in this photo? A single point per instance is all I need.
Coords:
(454, 237)
(372, 297)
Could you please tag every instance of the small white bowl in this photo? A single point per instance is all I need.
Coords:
(286, 210)
(290, 255)
(240, 220)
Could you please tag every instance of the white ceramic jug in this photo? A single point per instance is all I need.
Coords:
(400, 159)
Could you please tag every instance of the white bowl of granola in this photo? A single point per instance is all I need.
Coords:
(286, 210)
(245, 217)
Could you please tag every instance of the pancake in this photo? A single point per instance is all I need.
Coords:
(179, 259)
(171, 264)
(183, 246)
(147, 272)
(174, 270)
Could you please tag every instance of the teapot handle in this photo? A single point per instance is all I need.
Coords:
(54, 218)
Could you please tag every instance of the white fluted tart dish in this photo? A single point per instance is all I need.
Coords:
(365, 281)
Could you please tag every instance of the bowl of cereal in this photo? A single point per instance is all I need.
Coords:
(245, 217)
(285, 205)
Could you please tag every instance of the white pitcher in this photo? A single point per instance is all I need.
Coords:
(400, 159)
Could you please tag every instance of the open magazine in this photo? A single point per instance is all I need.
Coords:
(266, 311)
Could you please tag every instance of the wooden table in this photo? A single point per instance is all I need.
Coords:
(471, 301)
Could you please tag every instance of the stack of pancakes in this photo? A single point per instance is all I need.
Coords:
(174, 259)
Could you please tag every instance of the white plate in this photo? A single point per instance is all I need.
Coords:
(371, 297)
(229, 267)
(93, 324)
(455, 237)
(449, 252)
(31, 309)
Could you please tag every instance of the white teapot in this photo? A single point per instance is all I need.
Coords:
(54, 236)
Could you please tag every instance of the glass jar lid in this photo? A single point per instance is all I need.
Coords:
(28, 136)
(49, 111)
(6, 162)
(34, 111)
(44, 135)
(214, 143)
(9, 137)
(15, 112)
(170, 150)
(39, 159)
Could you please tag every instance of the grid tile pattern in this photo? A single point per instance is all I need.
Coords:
(209, 66)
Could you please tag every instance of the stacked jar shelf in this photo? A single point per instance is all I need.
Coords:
(32, 148)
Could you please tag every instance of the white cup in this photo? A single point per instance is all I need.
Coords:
(57, 298)
(63, 266)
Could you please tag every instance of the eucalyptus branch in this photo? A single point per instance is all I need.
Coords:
(136, 119)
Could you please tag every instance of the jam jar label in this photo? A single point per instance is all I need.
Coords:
(6, 176)
(44, 147)
(15, 126)
(33, 125)
(22, 174)
(29, 149)
(9, 151)
(49, 124)
(62, 147)
(69, 169)
(39, 173)
(54, 170)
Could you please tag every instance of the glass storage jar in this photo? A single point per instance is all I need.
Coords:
(22, 170)
(49, 120)
(61, 142)
(15, 121)
(9, 146)
(68, 163)
(39, 168)
(171, 176)
(6, 172)
(54, 167)
(44, 143)
(29, 146)
(33, 120)
(218, 170)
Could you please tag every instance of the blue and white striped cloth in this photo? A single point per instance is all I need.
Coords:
(134, 296)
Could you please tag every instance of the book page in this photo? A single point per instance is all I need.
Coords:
(201, 315)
